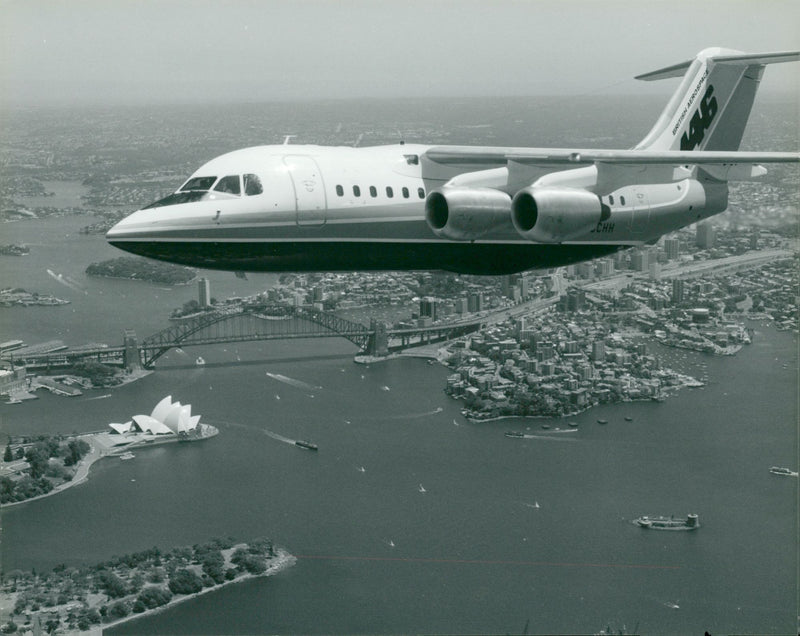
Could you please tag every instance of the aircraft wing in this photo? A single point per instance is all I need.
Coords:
(479, 155)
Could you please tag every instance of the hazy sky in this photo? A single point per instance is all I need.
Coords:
(239, 50)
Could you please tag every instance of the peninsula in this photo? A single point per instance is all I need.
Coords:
(35, 468)
(91, 598)
(135, 268)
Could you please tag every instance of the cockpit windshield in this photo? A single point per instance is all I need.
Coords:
(178, 197)
(198, 183)
(200, 188)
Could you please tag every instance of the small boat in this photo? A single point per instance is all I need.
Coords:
(126, 456)
(307, 445)
(784, 472)
(602, 421)
(546, 427)
(628, 418)
(422, 488)
(200, 361)
(573, 424)
(515, 434)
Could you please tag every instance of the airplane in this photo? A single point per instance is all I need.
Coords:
(465, 209)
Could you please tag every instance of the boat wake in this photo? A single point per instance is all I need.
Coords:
(550, 438)
(298, 384)
(265, 431)
(412, 416)
(66, 281)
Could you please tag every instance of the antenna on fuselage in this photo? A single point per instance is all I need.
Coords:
(287, 139)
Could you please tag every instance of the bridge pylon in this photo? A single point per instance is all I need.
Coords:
(131, 357)
(378, 342)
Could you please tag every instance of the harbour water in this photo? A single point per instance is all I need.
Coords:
(472, 553)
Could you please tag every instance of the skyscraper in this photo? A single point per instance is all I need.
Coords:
(677, 291)
(705, 236)
(672, 247)
(204, 292)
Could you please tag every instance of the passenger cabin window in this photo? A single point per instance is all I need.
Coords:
(622, 200)
(252, 184)
(412, 160)
(421, 193)
(357, 191)
(229, 185)
(339, 190)
(611, 199)
(373, 191)
(405, 193)
(389, 192)
(198, 183)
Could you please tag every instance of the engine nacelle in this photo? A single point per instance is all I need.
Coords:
(466, 214)
(556, 214)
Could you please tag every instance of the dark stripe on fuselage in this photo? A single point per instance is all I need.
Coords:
(330, 256)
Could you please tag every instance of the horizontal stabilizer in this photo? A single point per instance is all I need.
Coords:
(677, 70)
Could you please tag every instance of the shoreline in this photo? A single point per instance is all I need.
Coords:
(99, 451)
(282, 561)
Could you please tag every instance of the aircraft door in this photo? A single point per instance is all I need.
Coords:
(640, 213)
(309, 190)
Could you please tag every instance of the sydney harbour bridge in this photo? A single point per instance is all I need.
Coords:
(247, 324)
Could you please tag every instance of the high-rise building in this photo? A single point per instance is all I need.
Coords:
(672, 247)
(677, 291)
(204, 292)
(475, 302)
(427, 308)
(599, 351)
(705, 236)
(640, 261)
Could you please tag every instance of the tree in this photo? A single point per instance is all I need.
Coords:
(38, 457)
(185, 581)
(154, 596)
(8, 456)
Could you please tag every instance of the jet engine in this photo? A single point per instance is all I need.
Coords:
(465, 214)
(556, 214)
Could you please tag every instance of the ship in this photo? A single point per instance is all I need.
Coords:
(785, 472)
(692, 522)
(307, 445)
(514, 434)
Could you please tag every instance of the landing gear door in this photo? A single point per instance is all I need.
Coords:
(309, 190)
(640, 213)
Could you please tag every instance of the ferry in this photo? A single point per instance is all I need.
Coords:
(691, 522)
(307, 445)
(784, 472)
(516, 434)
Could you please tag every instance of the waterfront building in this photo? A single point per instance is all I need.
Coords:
(167, 418)
(204, 292)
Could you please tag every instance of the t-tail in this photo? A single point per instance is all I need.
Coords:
(710, 108)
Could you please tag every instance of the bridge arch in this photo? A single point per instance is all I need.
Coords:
(251, 324)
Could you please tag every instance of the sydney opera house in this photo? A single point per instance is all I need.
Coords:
(167, 418)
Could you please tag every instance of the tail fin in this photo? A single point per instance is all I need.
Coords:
(709, 109)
